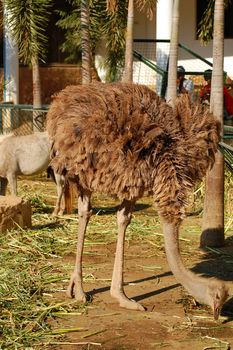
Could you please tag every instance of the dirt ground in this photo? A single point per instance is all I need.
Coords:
(172, 320)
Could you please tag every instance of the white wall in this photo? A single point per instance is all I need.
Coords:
(144, 28)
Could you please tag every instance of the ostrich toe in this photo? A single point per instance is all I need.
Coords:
(131, 305)
(126, 302)
(74, 290)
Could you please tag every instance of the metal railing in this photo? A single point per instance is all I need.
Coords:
(226, 149)
(228, 132)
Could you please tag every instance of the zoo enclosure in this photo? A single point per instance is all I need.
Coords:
(21, 119)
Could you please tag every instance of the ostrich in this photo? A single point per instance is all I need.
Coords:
(124, 140)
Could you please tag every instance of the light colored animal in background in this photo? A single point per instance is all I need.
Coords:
(122, 139)
(27, 155)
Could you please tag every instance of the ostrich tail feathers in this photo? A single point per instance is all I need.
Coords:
(201, 134)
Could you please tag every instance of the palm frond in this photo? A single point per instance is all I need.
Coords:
(104, 24)
(147, 6)
(206, 25)
(27, 22)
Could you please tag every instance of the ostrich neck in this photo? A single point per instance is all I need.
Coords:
(194, 284)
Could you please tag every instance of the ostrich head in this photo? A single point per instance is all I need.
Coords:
(217, 294)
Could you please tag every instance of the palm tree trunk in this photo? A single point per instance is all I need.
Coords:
(213, 217)
(85, 42)
(36, 83)
(128, 69)
(36, 88)
(173, 55)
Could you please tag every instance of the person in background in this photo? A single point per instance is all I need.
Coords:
(205, 95)
(205, 90)
(184, 86)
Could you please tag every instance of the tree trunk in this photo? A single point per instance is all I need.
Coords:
(173, 55)
(213, 217)
(36, 88)
(85, 42)
(128, 69)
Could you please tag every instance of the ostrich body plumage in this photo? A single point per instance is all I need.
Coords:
(123, 139)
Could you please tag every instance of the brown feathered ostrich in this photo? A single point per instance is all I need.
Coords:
(122, 139)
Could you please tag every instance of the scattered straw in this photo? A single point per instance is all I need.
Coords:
(94, 333)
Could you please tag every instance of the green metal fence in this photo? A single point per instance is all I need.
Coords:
(21, 119)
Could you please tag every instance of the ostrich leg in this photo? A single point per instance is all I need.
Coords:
(75, 287)
(123, 220)
(208, 291)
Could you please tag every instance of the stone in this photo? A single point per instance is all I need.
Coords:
(14, 212)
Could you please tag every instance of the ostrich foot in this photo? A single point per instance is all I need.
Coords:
(126, 302)
(74, 290)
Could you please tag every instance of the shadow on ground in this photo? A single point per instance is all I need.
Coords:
(51, 225)
(218, 263)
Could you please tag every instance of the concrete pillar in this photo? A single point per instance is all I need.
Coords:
(10, 62)
(163, 31)
(11, 75)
